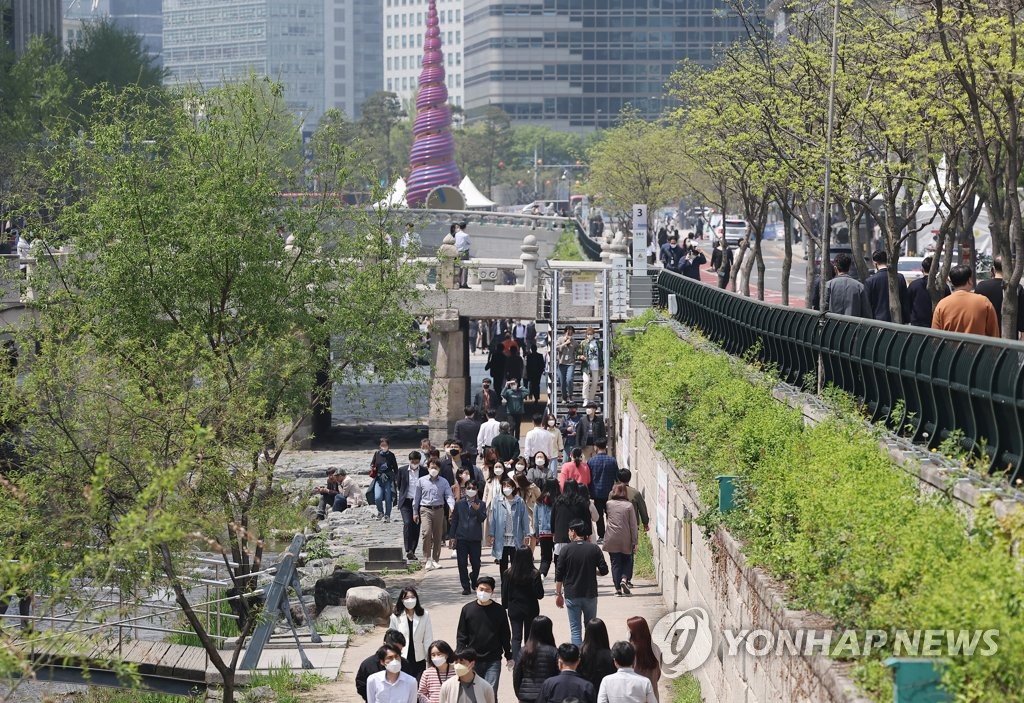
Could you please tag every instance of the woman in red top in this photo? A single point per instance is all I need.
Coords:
(576, 470)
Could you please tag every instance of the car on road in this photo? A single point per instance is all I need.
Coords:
(735, 230)
(910, 267)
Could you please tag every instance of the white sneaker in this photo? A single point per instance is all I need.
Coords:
(437, 565)
(430, 564)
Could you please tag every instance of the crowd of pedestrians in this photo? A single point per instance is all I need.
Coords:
(963, 306)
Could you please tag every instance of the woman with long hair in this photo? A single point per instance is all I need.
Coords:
(551, 427)
(575, 470)
(595, 655)
(542, 524)
(508, 523)
(494, 472)
(412, 621)
(648, 656)
(537, 661)
(572, 504)
(620, 536)
(440, 669)
(529, 493)
(521, 591)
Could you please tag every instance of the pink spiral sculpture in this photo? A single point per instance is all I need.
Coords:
(432, 156)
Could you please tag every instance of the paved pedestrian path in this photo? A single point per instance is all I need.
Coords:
(441, 594)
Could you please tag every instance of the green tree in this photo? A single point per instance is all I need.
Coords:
(379, 116)
(178, 347)
(635, 163)
(112, 57)
(483, 145)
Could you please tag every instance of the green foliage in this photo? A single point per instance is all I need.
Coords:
(227, 626)
(286, 684)
(823, 509)
(686, 689)
(316, 547)
(643, 559)
(633, 163)
(567, 248)
(118, 695)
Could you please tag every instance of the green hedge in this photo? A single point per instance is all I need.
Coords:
(825, 511)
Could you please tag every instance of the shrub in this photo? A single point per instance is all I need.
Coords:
(827, 513)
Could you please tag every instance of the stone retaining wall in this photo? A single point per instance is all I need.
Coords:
(712, 574)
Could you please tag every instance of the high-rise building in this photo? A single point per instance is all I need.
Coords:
(404, 27)
(20, 20)
(142, 17)
(326, 53)
(574, 64)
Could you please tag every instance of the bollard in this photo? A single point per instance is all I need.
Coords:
(917, 680)
(726, 488)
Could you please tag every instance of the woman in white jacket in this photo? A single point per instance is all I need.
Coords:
(413, 621)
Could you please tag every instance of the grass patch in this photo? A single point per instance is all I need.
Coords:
(228, 626)
(824, 510)
(643, 560)
(567, 248)
(686, 689)
(287, 684)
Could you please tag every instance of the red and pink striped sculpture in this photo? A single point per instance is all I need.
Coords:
(432, 157)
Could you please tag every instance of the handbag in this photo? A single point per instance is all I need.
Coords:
(371, 492)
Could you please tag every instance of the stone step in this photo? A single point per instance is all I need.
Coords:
(385, 554)
(378, 566)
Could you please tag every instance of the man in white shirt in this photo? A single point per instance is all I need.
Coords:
(488, 431)
(462, 247)
(391, 685)
(539, 440)
(625, 685)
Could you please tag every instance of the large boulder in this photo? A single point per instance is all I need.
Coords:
(368, 604)
(333, 589)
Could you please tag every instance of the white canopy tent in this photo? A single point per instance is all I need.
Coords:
(475, 200)
(395, 196)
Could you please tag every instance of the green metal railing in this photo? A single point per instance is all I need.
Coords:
(927, 384)
(591, 247)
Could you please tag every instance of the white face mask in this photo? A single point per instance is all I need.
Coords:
(507, 490)
(409, 603)
(414, 466)
(542, 461)
(433, 473)
(551, 423)
(438, 661)
(520, 468)
(461, 670)
(590, 412)
(471, 492)
(483, 596)
(498, 471)
(393, 666)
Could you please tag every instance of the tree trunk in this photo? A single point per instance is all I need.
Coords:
(856, 241)
(759, 258)
(787, 259)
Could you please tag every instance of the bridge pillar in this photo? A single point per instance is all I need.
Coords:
(449, 385)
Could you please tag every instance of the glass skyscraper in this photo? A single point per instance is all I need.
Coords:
(574, 64)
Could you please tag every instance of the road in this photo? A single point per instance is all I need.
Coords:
(773, 258)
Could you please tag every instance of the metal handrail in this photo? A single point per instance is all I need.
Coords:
(591, 248)
(926, 383)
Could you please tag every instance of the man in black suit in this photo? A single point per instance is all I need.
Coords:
(877, 288)
(568, 684)
(407, 477)
(486, 399)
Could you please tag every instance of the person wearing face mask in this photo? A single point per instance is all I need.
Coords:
(506, 445)
(590, 358)
(384, 472)
(392, 685)
(508, 524)
(514, 399)
(408, 476)
(551, 426)
(483, 626)
(529, 492)
(467, 530)
(542, 530)
(372, 664)
(467, 684)
(539, 439)
(590, 429)
(433, 493)
(570, 430)
(541, 469)
(412, 621)
(440, 670)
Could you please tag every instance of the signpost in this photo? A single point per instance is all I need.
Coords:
(640, 240)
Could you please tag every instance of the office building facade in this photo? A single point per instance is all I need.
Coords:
(574, 64)
(142, 17)
(405, 22)
(326, 53)
(20, 20)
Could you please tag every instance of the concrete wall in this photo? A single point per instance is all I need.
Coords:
(713, 574)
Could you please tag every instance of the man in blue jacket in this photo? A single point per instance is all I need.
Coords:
(604, 471)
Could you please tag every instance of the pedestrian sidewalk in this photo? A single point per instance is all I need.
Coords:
(441, 595)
